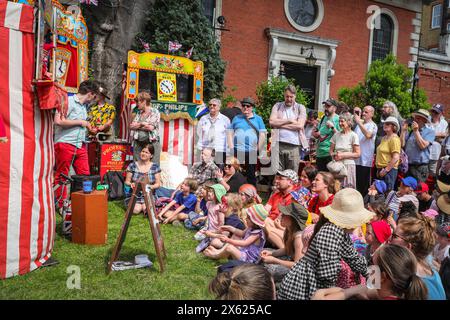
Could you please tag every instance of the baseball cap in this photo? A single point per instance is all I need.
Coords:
(410, 182)
(331, 102)
(422, 187)
(288, 174)
(439, 108)
(381, 186)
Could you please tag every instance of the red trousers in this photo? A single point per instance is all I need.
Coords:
(64, 153)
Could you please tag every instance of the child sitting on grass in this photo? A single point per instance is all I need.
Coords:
(215, 218)
(186, 200)
(231, 207)
(196, 220)
(249, 248)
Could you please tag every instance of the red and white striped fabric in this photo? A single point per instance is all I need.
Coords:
(177, 138)
(27, 213)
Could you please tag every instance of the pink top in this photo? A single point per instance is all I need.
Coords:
(215, 217)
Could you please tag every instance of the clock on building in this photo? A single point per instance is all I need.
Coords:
(167, 86)
(304, 15)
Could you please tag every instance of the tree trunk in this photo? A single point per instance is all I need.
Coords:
(112, 27)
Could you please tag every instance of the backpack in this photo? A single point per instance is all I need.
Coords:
(115, 182)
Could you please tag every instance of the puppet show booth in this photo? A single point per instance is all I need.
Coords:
(44, 53)
(176, 86)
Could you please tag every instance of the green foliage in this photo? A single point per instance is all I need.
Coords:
(185, 22)
(229, 97)
(271, 91)
(386, 80)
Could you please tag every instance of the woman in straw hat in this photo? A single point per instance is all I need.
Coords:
(248, 249)
(330, 244)
(278, 262)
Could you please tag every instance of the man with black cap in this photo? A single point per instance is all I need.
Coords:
(101, 116)
(328, 126)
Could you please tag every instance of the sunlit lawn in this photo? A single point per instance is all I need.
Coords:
(186, 277)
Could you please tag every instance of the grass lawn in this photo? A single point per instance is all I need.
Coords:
(187, 275)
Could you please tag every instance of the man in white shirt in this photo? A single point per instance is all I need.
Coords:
(288, 120)
(366, 130)
(439, 124)
(211, 131)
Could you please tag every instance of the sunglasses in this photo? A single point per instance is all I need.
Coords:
(247, 106)
(395, 236)
(228, 166)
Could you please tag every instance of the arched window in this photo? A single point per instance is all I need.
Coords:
(382, 40)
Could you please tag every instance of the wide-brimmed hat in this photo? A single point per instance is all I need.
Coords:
(288, 173)
(257, 214)
(219, 191)
(442, 186)
(394, 121)
(347, 209)
(297, 212)
(443, 203)
(103, 92)
(248, 101)
(439, 108)
(422, 113)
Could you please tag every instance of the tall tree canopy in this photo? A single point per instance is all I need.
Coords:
(184, 21)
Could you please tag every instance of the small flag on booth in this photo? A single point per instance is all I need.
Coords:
(145, 45)
(174, 46)
(189, 53)
(94, 2)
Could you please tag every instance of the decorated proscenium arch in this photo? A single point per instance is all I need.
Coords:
(177, 127)
(71, 65)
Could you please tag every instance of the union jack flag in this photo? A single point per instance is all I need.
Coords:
(189, 53)
(145, 45)
(174, 46)
(94, 2)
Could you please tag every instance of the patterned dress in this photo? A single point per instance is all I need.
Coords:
(320, 267)
(137, 175)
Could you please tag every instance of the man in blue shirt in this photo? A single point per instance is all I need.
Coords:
(70, 135)
(417, 144)
(246, 136)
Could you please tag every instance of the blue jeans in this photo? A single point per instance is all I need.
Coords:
(390, 178)
(162, 192)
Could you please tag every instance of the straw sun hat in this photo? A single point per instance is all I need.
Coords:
(347, 209)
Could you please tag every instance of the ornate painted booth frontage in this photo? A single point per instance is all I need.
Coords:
(176, 85)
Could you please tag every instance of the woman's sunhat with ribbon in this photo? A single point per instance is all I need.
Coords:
(257, 214)
(347, 209)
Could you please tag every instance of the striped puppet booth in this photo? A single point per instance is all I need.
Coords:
(27, 213)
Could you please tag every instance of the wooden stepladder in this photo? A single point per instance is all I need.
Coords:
(154, 224)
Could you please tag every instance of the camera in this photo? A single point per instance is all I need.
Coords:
(409, 122)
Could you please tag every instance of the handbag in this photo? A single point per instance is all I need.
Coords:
(337, 168)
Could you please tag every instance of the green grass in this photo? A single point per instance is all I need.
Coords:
(186, 277)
